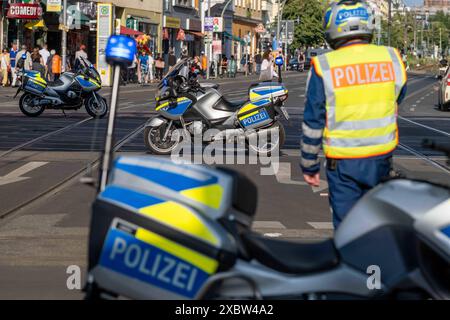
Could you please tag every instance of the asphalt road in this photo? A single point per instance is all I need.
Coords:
(44, 209)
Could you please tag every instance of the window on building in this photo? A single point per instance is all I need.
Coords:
(184, 3)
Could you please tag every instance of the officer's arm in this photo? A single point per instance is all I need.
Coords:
(402, 94)
(313, 124)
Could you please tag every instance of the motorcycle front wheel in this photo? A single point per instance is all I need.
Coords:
(27, 106)
(94, 109)
(154, 139)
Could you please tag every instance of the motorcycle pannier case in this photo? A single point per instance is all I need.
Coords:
(33, 82)
(256, 114)
(267, 90)
(155, 231)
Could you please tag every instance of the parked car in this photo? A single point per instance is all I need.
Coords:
(310, 53)
(295, 65)
(444, 90)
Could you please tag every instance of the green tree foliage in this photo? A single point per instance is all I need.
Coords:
(309, 32)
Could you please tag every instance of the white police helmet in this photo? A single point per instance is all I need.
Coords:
(346, 20)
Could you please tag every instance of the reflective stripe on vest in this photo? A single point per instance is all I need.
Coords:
(361, 100)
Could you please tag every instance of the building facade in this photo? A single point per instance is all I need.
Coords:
(182, 27)
(247, 17)
(143, 16)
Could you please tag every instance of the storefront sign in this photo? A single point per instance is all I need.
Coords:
(218, 24)
(104, 30)
(260, 28)
(27, 11)
(193, 24)
(217, 47)
(53, 5)
(209, 24)
(171, 22)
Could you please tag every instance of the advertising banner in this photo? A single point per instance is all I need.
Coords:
(53, 5)
(28, 11)
(104, 31)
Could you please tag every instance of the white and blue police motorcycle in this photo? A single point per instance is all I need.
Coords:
(161, 230)
(184, 104)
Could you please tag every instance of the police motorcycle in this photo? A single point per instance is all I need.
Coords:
(161, 230)
(184, 103)
(69, 92)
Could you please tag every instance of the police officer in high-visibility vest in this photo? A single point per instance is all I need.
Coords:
(352, 97)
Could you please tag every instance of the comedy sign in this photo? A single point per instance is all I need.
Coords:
(27, 11)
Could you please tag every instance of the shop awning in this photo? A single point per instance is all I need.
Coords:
(35, 24)
(234, 38)
(142, 19)
(129, 32)
(195, 33)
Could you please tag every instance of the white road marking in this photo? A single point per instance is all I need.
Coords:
(321, 225)
(425, 126)
(268, 225)
(16, 175)
(283, 175)
(273, 235)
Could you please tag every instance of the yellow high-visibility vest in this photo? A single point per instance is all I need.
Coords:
(362, 84)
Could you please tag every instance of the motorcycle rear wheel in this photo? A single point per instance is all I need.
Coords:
(270, 146)
(28, 108)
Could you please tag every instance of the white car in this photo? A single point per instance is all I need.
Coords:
(444, 89)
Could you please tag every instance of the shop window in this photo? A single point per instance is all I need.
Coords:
(183, 3)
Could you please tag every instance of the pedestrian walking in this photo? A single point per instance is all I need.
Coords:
(56, 65)
(267, 70)
(20, 62)
(232, 66)
(79, 54)
(354, 117)
(45, 54)
(159, 66)
(172, 60)
(258, 61)
(250, 64)
(204, 62)
(5, 63)
(151, 63)
(38, 62)
(13, 56)
(144, 67)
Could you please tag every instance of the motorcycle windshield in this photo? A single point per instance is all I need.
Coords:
(173, 72)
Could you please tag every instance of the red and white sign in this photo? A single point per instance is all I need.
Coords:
(217, 47)
(28, 11)
(260, 28)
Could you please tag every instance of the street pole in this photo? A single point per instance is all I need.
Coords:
(208, 45)
(389, 21)
(64, 38)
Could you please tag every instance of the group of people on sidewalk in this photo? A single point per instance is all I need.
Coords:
(47, 63)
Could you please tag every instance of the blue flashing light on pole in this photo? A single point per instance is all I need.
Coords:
(120, 50)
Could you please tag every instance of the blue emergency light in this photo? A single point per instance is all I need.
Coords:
(24, 56)
(279, 61)
(120, 50)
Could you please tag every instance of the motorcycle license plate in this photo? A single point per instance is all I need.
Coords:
(285, 113)
(124, 253)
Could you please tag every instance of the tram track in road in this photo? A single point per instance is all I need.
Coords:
(67, 181)
(47, 135)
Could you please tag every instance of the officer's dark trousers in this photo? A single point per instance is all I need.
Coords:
(350, 179)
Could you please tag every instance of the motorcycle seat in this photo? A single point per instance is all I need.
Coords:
(291, 257)
(230, 106)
